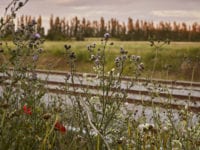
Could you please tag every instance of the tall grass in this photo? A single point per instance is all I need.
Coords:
(33, 118)
(174, 61)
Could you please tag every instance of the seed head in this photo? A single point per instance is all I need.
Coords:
(93, 57)
(46, 116)
(20, 4)
(141, 66)
(122, 51)
(72, 55)
(67, 47)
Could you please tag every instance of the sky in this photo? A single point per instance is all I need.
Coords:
(151, 10)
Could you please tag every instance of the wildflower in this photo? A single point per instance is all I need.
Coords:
(60, 127)
(27, 110)
(40, 50)
(126, 104)
(67, 47)
(20, 4)
(89, 48)
(138, 58)
(141, 66)
(46, 116)
(97, 61)
(165, 128)
(72, 55)
(117, 60)
(106, 36)
(94, 45)
(93, 57)
(37, 36)
(35, 57)
(111, 43)
(124, 57)
(145, 127)
(122, 51)
(152, 43)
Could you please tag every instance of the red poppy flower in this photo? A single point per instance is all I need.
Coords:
(27, 110)
(60, 127)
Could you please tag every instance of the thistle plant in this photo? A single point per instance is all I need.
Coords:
(22, 105)
(101, 112)
(90, 112)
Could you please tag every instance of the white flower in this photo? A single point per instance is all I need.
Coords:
(146, 126)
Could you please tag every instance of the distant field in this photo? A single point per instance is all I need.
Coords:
(182, 57)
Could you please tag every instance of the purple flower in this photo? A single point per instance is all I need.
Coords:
(35, 57)
(37, 36)
(106, 36)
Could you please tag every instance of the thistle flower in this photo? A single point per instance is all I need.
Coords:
(111, 43)
(117, 61)
(106, 36)
(97, 61)
(122, 51)
(138, 58)
(37, 36)
(35, 57)
(67, 47)
(72, 55)
(92, 57)
(89, 48)
(20, 4)
(40, 50)
(141, 66)
(94, 45)
(145, 127)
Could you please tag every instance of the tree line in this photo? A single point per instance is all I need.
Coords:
(138, 30)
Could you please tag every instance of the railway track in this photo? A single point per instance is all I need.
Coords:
(161, 81)
(174, 98)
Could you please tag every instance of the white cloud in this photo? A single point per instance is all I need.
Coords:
(177, 13)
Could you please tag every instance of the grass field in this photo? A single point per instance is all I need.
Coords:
(175, 61)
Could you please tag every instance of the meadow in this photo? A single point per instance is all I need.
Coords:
(176, 61)
(85, 113)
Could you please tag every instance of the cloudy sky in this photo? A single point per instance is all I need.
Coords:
(150, 10)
